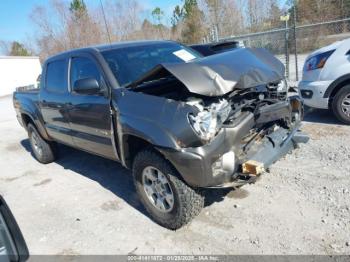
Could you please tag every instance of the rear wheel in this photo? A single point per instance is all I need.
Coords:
(168, 200)
(341, 105)
(44, 151)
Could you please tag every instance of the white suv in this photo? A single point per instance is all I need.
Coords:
(326, 79)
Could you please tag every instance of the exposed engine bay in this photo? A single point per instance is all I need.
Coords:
(221, 87)
(268, 103)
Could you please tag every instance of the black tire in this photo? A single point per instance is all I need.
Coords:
(337, 102)
(188, 202)
(44, 151)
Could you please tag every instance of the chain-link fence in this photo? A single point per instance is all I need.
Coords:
(293, 44)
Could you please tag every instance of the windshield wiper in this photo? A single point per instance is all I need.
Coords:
(153, 81)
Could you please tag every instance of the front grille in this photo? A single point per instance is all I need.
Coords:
(277, 95)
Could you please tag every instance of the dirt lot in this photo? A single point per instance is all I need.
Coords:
(83, 204)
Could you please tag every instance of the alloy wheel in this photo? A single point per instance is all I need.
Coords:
(345, 105)
(36, 143)
(157, 188)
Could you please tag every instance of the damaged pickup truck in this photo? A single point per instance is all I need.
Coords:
(178, 120)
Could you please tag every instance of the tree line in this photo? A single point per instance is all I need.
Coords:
(65, 25)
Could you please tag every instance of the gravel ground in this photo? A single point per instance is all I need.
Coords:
(83, 204)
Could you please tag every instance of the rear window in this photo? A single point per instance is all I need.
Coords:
(203, 49)
(56, 76)
(225, 47)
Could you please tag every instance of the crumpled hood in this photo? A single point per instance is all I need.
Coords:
(219, 74)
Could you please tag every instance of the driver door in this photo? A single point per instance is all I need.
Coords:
(89, 114)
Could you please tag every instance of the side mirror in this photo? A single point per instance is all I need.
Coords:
(86, 86)
(12, 244)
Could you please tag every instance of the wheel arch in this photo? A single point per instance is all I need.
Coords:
(335, 86)
(27, 118)
(133, 144)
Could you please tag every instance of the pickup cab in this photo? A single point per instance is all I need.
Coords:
(179, 121)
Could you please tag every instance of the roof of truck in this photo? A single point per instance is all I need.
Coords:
(105, 47)
(129, 43)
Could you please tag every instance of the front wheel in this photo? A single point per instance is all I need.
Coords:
(341, 105)
(166, 197)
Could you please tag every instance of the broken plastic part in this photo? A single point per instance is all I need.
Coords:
(296, 104)
(282, 86)
(253, 167)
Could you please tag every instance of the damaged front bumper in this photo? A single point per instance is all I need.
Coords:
(225, 162)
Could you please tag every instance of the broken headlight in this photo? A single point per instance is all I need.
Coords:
(282, 86)
(277, 90)
(209, 120)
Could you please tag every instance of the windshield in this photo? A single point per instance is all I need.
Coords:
(130, 63)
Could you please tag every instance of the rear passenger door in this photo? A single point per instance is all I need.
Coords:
(53, 99)
(89, 114)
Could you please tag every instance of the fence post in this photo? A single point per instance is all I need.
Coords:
(286, 19)
(295, 41)
(287, 51)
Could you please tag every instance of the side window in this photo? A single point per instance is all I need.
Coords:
(56, 76)
(81, 68)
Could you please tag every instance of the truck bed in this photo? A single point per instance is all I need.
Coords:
(30, 88)
(26, 101)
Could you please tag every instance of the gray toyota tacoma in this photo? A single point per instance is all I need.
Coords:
(179, 121)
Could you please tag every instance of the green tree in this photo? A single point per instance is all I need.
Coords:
(157, 14)
(177, 16)
(18, 49)
(189, 7)
(193, 31)
(78, 8)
